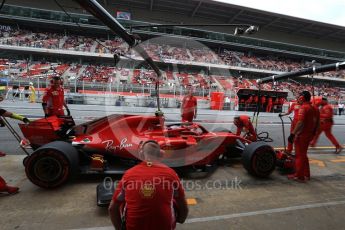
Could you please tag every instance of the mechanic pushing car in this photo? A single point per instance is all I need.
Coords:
(53, 99)
(3, 185)
(306, 128)
(151, 193)
(189, 106)
(293, 108)
(326, 123)
(244, 124)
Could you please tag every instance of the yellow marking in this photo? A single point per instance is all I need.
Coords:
(317, 162)
(318, 147)
(191, 201)
(323, 147)
(339, 160)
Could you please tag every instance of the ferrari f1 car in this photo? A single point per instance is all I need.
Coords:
(63, 149)
(110, 145)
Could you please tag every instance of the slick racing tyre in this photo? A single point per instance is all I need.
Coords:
(259, 159)
(52, 165)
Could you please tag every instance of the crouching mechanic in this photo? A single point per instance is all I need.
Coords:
(53, 99)
(243, 123)
(3, 185)
(306, 127)
(151, 193)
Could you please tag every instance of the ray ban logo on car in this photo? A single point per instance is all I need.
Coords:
(109, 145)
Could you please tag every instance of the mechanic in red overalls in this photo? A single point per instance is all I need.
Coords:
(326, 123)
(302, 135)
(151, 193)
(243, 123)
(248, 102)
(3, 185)
(189, 107)
(263, 101)
(53, 99)
(269, 104)
(293, 108)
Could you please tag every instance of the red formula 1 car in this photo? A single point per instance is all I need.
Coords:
(109, 145)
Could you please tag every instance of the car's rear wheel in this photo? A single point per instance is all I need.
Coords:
(52, 165)
(259, 159)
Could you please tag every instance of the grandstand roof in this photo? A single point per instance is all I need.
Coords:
(229, 13)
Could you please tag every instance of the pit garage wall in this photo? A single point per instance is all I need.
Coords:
(131, 101)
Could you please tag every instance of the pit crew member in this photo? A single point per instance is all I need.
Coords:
(244, 124)
(293, 108)
(302, 135)
(4, 187)
(53, 99)
(152, 194)
(189, 107)
(326, 123)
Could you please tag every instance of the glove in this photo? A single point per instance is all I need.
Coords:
(68, 112)
(2, 124)
(280, 115)
(291, 138)
(46, 115)
(26, 120)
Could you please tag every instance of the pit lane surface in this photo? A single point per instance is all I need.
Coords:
(210, 119)
(227, 199)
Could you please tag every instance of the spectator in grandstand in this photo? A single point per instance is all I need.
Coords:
(244, 124)
(302, 135)
(151, 193)
(53, 99)
(326, 123)
(340, 108)
(189, 106)
(293, 108)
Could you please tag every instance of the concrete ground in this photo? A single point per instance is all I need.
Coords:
(229, 198)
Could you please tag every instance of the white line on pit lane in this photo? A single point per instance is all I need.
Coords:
(246, 214)
(263, 212)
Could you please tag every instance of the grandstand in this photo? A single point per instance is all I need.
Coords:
(33, 50)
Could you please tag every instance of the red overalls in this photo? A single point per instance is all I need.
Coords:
(189, 104)
(54, 98)
(269, 105)
(293, 108)
(326, 123)
(246, 124)
(309, 115)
